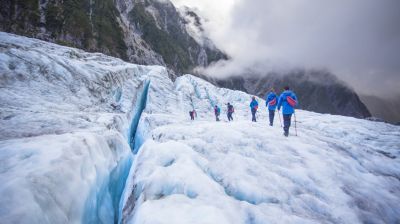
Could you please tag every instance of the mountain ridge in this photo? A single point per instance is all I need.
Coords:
(139, 31)
(383, 107)
(317, 90)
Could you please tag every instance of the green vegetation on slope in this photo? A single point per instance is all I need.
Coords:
(109, 34)
(93, 25)
(170, 49)
(68, 22)
(20, 16)
(101, 32)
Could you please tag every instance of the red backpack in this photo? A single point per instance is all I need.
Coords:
(230, 109)
(272, 102)
(291, 101)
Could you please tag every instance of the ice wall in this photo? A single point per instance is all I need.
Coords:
(140, 106)
(64, 124)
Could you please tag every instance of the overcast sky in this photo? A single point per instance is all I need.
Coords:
(358, 40)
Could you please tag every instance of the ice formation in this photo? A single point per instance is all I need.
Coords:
(87, 138)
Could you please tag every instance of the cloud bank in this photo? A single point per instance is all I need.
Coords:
(358, 40)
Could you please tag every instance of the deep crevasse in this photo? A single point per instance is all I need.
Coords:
(104, 203)
(140, 106)
(64, 126)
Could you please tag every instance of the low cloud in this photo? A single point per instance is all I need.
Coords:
(358, 40)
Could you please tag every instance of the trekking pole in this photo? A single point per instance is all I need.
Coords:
(279, 115)
(295, 122)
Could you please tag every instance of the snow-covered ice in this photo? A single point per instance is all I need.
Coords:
(64, 128)
(76, 125)
(337, 170)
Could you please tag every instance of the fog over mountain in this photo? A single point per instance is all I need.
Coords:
(357, 40)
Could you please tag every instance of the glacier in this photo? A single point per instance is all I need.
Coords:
(65, 121)
(337, 170)
(87, 138)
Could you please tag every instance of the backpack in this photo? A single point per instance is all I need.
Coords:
(230, 109)
(291, 101)
(272, 102)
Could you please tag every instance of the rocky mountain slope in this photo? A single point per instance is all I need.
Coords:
(387, 109)
(139, 31)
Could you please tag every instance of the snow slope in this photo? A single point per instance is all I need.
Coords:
(74, 126)
(338, 170)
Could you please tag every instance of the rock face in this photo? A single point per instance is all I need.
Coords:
(91, 25)
(383, 108)
(139, 31)
(317, 90)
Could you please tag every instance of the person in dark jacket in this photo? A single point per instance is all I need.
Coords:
(192, 114)
(254, 108)
(287, 100)
(217, 112)
(230, 112)
(271, 101)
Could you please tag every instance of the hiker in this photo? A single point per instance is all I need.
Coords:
(192, 114)
(230, 110)
(217, 112)
(288, 101)
(254, 108)
(271, 103)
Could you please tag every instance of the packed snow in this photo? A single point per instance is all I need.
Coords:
(87, 138)
(337, 170)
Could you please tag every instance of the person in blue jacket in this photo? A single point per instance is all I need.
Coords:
(271, 101)
(287, 100)
(254, 108)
